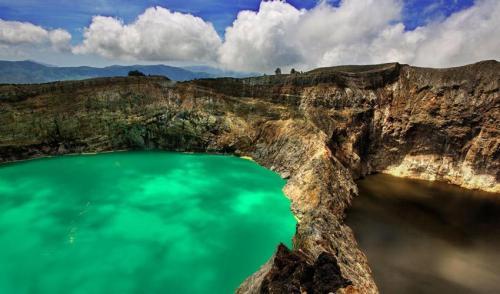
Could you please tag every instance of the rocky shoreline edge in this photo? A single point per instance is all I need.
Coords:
(321, 130)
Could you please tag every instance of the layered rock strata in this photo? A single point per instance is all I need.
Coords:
(320, 130)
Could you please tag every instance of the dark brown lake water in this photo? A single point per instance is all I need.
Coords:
(428, 237)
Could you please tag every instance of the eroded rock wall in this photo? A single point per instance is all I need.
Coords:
(433, 124)
(445, 121)
(320, 130)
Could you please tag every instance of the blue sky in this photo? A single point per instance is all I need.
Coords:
(75, 15)
(303, 34)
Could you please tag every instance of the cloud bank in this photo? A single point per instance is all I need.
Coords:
(357, 32)
(280, 35)
(15, 33)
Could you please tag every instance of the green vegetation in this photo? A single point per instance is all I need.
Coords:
(136, 73)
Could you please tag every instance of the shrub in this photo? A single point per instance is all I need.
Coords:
(136, 73)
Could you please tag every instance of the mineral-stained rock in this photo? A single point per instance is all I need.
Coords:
(291, 272)
(320, 130)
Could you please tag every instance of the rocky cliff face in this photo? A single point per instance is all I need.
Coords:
(320, 130)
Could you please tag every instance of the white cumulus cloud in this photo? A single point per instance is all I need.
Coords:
(357, 32)
(464, 37)
(278, 35)
(156, 35)
(260, 40)
(60, 39)
(15, 33)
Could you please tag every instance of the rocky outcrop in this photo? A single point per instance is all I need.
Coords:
(289, 272)
(321, 130)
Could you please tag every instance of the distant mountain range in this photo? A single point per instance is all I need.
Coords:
(28, 72)
(217, 72)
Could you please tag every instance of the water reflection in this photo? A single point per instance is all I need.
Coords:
(428, 237)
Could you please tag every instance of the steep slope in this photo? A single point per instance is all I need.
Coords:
(320, 130)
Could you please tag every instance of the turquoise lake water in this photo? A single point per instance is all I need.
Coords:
(138, 222)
